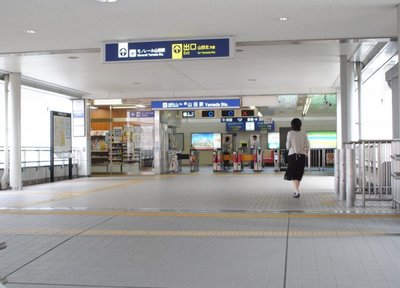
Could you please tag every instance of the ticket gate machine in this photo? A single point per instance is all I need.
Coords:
(237, 161)
(218, 163)
(258, 160)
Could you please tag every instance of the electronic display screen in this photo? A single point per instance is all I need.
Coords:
(188, 114)
(209, 113)
(228, 113)
(247, 113)
(273, 140)
(322, 139)
(206, 141)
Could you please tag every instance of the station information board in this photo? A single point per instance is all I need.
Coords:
(195, 104)
(113, 52)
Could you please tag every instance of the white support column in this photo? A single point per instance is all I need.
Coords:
(157, 150)
(5, 179)
(396, 91)
(392, 78)
(344, 101)
(15, 131)
(359, 85)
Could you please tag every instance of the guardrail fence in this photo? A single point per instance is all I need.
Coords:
(35, 164)
(365, 169)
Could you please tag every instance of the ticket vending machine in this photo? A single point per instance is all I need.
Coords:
(257, 158)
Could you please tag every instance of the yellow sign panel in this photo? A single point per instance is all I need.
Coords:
(177, 51)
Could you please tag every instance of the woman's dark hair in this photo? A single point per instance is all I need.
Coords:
(296, 124)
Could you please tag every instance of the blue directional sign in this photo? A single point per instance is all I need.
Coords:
(195, 104)
(141, 114)
(167, 50)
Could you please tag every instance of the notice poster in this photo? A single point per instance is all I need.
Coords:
(62, 132)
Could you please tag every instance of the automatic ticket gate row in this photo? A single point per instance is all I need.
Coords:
(256, 160)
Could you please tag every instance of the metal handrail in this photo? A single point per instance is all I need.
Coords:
(37, 157)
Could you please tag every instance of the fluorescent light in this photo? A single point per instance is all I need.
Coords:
(252, 107)
(124, 107)
(106, 1)
(30, 31)
(93, 107)
(140, 106)
(306, 106)
(283, 18)
(259, 114)
(108, 102)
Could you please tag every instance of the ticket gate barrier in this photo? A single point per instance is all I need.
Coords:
(257, 160)
(276, 161)
(237, 161)
(218, 164)
(194, 160)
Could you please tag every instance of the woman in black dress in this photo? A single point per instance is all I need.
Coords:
(298, 145)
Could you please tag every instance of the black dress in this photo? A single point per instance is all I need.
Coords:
(295, 169)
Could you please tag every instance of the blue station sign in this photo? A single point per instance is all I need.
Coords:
(195, 104)
(141, 114)
(167, 50)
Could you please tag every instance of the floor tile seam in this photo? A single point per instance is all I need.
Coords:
(57, 245)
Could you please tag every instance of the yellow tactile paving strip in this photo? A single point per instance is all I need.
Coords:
(191, 233)
(235, 215)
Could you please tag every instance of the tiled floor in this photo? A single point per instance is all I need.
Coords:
(195, 230)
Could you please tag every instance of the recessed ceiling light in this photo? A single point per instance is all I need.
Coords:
(29, 31)
(283, 18)
(106, 1)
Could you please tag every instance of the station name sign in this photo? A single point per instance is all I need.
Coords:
(195, 104)
(141, 114)
(167, 50)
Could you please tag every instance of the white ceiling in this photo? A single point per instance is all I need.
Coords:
(271, 51)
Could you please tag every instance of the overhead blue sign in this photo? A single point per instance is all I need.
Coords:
(141, 114)
(195, 104)
(258, 125)
(242, 119)
(265, 126)
(235, 126)
(167, 50)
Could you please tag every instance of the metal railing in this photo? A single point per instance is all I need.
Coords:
(35, 163)
(37, 157)
(370, 169)
(320, 159)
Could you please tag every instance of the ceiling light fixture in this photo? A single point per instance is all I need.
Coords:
(108, 102)
(106, 1)
(124, 107)
(29, 31)
(306, 106)
(283, 19)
